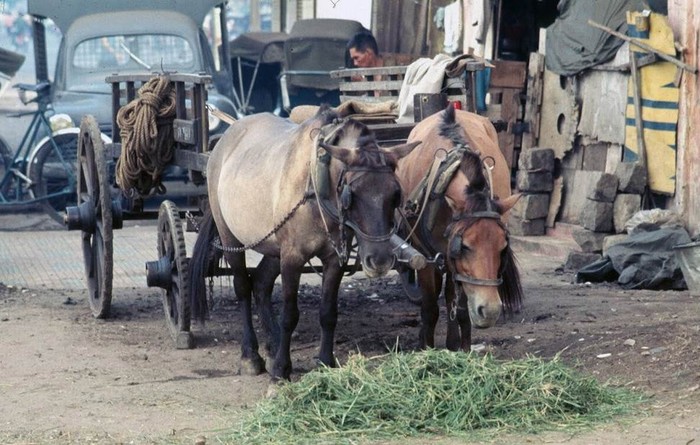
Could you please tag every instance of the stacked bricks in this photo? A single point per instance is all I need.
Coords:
(535, 181)
(613, 201)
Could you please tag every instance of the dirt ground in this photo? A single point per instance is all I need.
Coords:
(68, 378)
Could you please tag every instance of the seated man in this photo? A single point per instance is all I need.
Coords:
(363, 51)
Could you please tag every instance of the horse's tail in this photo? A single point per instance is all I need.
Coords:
(199, 265)
(510, 289)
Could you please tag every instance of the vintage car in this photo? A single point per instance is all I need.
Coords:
(117, 37)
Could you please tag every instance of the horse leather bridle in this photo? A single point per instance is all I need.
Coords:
(338, 212)
(455, 246)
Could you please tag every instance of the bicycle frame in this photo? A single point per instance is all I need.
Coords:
(17, 185)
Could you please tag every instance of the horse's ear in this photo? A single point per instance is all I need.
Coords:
(456, 207)
(508, 203)
(399, 151)
(344, 155)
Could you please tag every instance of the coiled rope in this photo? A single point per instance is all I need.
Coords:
(146, 130)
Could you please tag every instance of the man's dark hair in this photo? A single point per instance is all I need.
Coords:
(362, 41)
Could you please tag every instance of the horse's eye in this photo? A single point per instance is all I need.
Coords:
(465, 248)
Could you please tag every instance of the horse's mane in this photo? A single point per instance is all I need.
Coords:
(357, 135)
(478, 199)
(471, 162)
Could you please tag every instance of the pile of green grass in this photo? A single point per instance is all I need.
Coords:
(431, 392)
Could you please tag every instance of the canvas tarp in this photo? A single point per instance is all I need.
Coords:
(644, 260)
(573, 45)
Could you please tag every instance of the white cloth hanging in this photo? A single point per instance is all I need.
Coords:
(422, 76)
(453, 27)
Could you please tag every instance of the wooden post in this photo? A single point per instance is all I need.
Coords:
(638, 122)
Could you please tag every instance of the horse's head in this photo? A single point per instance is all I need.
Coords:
(367, 192)
(479, 255)
(481, 260)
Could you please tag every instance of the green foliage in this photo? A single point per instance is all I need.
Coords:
(430, 392)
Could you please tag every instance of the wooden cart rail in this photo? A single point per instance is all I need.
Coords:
(191, 124)
(383, 84)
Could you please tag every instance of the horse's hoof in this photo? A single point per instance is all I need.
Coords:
(252, 367)
(273, 388)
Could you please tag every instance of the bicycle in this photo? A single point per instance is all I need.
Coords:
(42, 171)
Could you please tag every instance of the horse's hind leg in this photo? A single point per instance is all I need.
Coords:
(251, 362)
(263, 284)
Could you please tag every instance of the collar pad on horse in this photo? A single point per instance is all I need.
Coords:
(420, 209)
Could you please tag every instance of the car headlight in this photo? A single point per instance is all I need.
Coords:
(214, 122)
(60, 121)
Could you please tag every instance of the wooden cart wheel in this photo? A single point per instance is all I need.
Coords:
(409, 282)
(94, 194)
(173, 255)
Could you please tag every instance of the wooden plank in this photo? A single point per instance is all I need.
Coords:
(509, 113)
(603, 105)
(508, 74)
(533, 101)
(378, 71)
(372, 85)
(369, 99)
(559, 114)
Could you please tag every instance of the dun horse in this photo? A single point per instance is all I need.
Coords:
(461, 218)
(294, 192)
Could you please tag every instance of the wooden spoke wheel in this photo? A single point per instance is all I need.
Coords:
(172, 254)
(409, 282)
(94, 196)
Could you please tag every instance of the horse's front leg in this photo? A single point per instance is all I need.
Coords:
(263, 284)
(291, 274)
(430, 283)
(459, 325)
(251, 362)
(328, 313)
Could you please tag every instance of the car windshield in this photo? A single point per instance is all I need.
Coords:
(129, 53)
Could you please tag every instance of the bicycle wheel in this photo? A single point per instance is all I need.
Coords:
(53, 174)
(5, 156)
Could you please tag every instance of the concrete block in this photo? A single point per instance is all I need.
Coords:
(597, 216)
(624, 208)
(611, 240)
(534, 181)
(532, 206)
(537, 159)
(605, 188)
(632, 177)
(526, 227)
(577, 260)
(577, 186)
(588, 241)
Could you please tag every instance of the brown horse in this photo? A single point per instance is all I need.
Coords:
(463, 221)
(294, 192)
